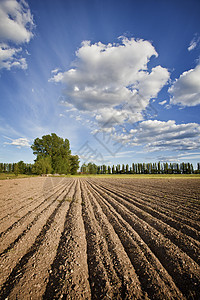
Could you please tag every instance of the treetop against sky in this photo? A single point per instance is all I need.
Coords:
(119, 79)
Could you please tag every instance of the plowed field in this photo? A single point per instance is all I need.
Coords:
(100, 238)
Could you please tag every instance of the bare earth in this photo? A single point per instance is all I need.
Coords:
(99, 238)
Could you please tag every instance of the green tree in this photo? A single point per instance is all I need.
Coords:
(21, 166)
(133, 168)
(57, 150)
(159, 167)
(1, 167)
(139, 168)
(136, 169)
(154, 168)
(113, 169)
(148, 168)
(9, 168)
(42, 166)
(104, 169)
(16, 169)
(119, 168)
(5, 168)
(143, 168)
(74, 164)
(109, 170)
(166, 168)
(92, 168)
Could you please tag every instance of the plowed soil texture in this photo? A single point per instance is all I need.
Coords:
(100, 238)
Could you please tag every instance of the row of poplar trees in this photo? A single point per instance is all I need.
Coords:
(141, 168)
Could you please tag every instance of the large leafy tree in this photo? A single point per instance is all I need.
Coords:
(51, 145)
(57, 150)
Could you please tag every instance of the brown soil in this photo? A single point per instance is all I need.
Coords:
(99, 238)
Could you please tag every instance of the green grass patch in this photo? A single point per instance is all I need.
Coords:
(4, 176)
(141, 176)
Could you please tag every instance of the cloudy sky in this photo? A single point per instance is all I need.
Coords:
(119, 79)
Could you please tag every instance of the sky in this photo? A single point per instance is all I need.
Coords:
(119, 79)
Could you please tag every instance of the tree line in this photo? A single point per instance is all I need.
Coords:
(17, 168)
(53, 155)
(141, 168)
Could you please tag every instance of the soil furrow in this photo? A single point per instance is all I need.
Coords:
(100, 238)
(153, 277)
(155, 211)
(7, 263)
(37, 269)
(18, 234)
(126, 284)
(27, 214)
(69, 270)
(19, 269)
(184, 271)
(187, 244)
(34, 191)
(147, 195)
(104, 281)
(162, 202)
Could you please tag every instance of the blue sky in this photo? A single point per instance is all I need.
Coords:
(119, 79)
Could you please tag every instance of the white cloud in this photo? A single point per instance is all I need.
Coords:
(194, 42)
(16, 21)
(159, 135)
(20, 142)
(185, 90)
(10, 57)
(55, 71)
(106, 76)
(192, 46)
(16, 25)
(56, 78)
(179, 157)
(107, 117)
(162, 102)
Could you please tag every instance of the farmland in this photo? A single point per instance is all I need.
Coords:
(100, 238)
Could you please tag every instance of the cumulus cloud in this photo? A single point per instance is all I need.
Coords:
(110, 116)
(20, 142)
(185, 90)
(10, 57)
(16, 24)
(160, 135)
(16, 21)
(113, 75)
(154, 135)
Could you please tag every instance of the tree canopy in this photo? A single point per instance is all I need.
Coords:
(53, 153)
